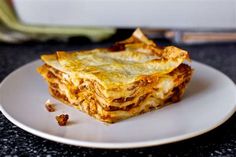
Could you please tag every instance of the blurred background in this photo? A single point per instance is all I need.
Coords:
(180, 21)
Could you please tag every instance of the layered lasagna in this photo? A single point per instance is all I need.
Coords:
(131, 77)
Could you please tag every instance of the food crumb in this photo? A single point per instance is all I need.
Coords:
(62, 119)
(50, 106)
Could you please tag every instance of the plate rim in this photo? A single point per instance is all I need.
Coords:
(113, 145)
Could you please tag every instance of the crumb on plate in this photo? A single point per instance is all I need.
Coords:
(50, 106)
(62, 119)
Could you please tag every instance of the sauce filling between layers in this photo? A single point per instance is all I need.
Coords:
(145, 94)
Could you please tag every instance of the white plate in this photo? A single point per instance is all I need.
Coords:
(209, 101)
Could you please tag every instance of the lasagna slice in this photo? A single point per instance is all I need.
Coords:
(131, 77)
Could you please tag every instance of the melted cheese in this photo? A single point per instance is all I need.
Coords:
(118, 68)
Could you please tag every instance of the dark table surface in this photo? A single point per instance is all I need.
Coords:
(17, 142)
